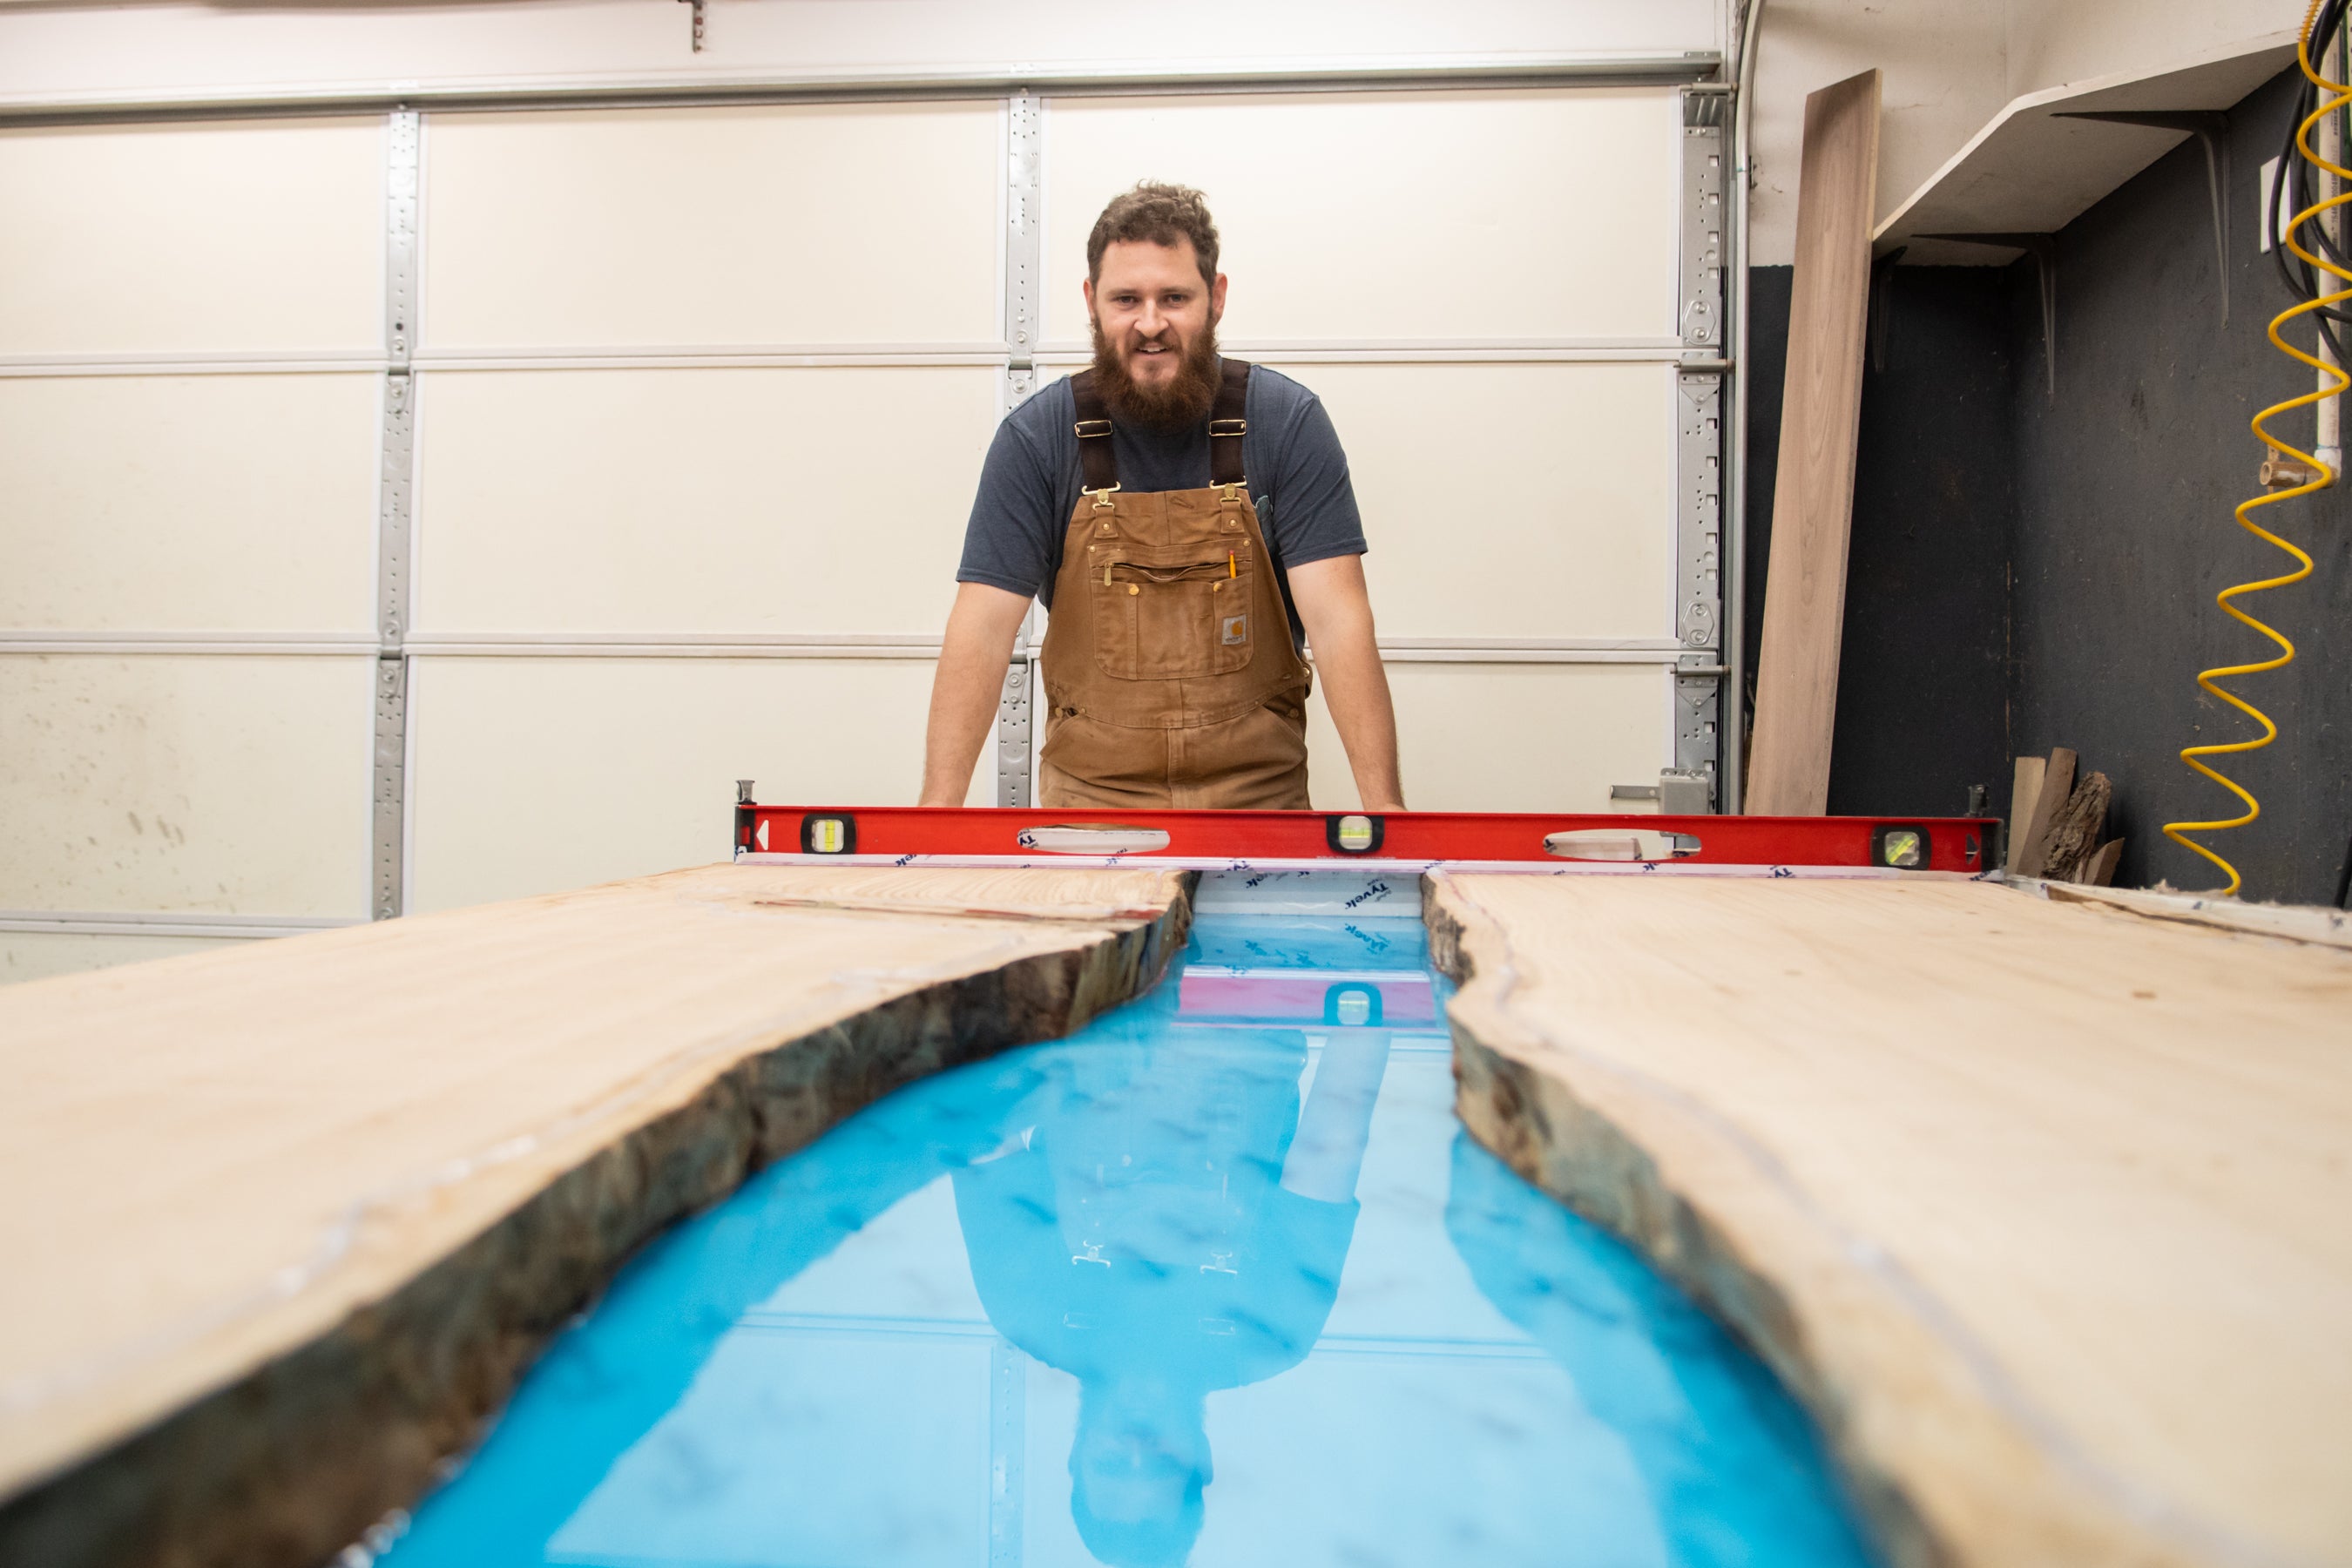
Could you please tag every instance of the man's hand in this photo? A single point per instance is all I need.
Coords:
(970, 683)
(1337, 616)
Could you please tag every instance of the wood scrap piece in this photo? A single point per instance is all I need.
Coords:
(2315, 923)
(1989, 1180)
(1812, 503)
(2057, 786)
(2073, 835)
(285, 1221)
(2100, 871)
(2022, 800)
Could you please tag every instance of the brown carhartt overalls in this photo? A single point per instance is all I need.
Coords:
(1171, 675)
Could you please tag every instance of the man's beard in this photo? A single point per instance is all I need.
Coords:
(1170, 407)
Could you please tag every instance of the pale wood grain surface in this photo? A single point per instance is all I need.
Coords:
(2041, 1206)
(209, 1160)
(1812, 501)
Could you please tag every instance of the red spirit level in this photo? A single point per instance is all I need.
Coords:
(1392, 841)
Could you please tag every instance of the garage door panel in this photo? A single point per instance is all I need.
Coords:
(1384, 216)
(1509, 737)
(532, 774)
(181, 783)
(179, 503)
(244, 238)
(1511, 500)
(833, 224)
(698, 500)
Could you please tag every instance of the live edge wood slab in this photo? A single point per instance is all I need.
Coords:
(2043, 1208)
(280, 1227)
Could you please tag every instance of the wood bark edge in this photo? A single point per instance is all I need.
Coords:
(288, 1465)
(1942, 1472)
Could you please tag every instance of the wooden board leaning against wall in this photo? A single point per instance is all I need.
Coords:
(287, 1220)
(1812, 505)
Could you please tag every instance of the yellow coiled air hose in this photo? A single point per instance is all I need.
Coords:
(2334, 95)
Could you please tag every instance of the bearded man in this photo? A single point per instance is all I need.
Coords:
(1188, 523)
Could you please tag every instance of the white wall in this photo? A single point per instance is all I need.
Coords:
(1941, 76)
(2050, 45)
(1948, 69)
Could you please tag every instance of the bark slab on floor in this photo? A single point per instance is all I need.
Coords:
(283, 1223)
(2044, 1208)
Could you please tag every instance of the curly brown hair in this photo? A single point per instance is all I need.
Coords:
(1160, 214)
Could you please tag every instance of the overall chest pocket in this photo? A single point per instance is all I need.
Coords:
(1172, 612)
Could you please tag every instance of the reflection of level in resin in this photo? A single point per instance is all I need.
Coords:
(1213, 993)
(1117, 1301)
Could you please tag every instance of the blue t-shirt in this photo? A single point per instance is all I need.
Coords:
(1030, 484)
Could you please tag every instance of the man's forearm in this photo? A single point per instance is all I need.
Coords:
(1356, 690)
(967, 686)
(964, 697)
(1332, 602)
(1326, 1152)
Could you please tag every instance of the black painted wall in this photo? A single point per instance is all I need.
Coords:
(2030, 572)
(2127, 481)
(1923, 696)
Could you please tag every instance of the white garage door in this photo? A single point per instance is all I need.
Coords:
(191, 374)
(404, 513)
(1487, 289)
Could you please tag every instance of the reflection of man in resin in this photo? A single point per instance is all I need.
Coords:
(1167, 1221)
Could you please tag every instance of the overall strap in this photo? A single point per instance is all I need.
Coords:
(1098, 465)
(1227, 425)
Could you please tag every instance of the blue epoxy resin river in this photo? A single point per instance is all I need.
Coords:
(1218, 1280)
